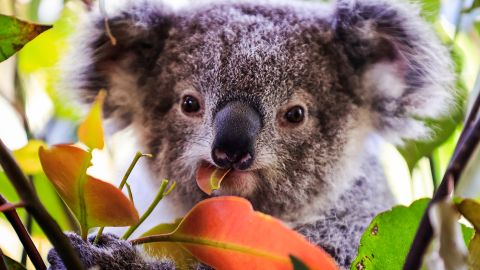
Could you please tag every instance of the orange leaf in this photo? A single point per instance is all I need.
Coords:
(94, 202)
(90, 131)
(225, 233)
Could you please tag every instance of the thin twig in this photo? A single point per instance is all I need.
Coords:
(23, 235)
(51, 228)
(103, 11)
(130, 194)
(158, 198)
(11, 206)
(137, 156)
(463, 151)
(28, 221)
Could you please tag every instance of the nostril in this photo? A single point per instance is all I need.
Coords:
(238, 160)
(221, 158)
(244, 162)
(219, 154)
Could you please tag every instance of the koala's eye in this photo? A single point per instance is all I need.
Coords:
(295, 114)
(190, 104)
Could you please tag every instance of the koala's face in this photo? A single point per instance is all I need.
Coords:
(255, 95)
(281, 96)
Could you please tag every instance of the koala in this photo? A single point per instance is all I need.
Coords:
(292, 98)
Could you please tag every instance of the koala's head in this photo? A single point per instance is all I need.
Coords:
(282, 94)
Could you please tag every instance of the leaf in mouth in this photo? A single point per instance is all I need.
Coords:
(210, 178)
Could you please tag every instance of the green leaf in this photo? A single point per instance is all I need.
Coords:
(14, 34)
(385, 243)
(48, 196)
(297, 263)
(12, 264)
(474, 252)
(27, 157)
(467, 233)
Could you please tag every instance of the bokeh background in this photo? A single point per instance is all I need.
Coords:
(33, 105)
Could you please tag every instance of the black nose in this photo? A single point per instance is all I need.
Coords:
(236, 128)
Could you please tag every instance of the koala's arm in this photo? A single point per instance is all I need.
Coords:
(108, 253)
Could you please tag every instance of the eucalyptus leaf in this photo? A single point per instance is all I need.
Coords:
(15, 33)
(385, 243)
(11, 264)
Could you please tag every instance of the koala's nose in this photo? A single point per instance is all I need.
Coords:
(236, 128)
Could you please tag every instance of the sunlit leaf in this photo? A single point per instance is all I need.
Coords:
(94, 202)
(470, 209)
(90, 131)
(11, 264)
(183, 259)
(225, 233)
(27, 157)
(474, 252)
(385, 243)
(14, 34)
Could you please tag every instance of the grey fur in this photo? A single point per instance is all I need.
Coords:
(110, 253)
(359, 67)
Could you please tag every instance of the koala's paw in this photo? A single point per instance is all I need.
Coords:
(109, 253)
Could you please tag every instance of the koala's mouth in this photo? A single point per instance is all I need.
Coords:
(234, 182)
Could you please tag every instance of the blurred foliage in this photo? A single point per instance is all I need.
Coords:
(41, 57)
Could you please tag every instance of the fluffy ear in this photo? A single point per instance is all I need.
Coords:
(140, 30)
(405, 73)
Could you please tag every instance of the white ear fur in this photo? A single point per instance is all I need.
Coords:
(406, 73)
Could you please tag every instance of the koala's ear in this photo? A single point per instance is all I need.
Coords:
(405, 73)
(140, 30)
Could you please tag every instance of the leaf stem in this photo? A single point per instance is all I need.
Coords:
(130, 195)
(187, 239)
(137, 156)
(51, 228)
(158, 198)
(81, 196)
(23, 235)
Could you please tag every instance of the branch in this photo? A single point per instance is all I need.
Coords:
(37, 210)
(466, 146)
(30, 249)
